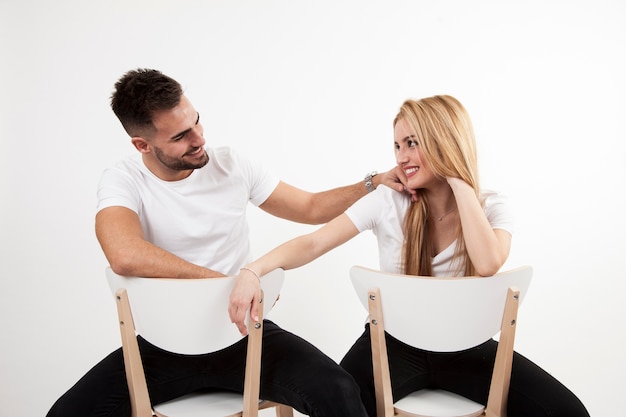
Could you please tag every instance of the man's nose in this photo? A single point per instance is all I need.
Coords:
(197, 138)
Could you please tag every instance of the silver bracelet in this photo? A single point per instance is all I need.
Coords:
(369, 183)
(253, 271)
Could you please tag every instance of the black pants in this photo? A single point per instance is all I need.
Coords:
(293, 372)
(533, 392)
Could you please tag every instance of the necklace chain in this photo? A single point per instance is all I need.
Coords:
(440, 218)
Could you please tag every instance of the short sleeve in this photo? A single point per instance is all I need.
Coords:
(261, 181)
(499, 211)
(117, 188)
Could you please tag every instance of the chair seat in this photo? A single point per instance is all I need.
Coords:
(438, 403)
(222, 403)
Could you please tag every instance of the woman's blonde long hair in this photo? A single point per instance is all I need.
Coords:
(445, 136)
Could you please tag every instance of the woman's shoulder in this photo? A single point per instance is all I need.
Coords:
(489, 197)
(377, 205)
(389, 197)
(498, 209)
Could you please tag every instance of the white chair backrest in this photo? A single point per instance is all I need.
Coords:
(441, 314)
(188, 316)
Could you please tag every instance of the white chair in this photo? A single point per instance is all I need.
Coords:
(190, 316)
(443, 315)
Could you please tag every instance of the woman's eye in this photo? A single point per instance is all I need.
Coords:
(412, 143)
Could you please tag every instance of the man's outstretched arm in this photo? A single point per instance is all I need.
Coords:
(291, 203)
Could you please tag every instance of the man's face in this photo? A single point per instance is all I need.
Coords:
(177, 147)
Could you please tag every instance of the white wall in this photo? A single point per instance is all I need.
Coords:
(311, 88)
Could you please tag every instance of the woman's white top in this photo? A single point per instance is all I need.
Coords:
(383, 212)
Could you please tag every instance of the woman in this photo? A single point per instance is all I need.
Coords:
(445, 227)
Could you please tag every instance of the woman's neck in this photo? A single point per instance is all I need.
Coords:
(441, 201)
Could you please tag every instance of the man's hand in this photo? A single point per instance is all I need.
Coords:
(246, 294)
(395, 179)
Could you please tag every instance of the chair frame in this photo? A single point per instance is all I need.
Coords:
(141, 405)
(501, 376)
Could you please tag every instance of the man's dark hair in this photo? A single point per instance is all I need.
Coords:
(139, 94)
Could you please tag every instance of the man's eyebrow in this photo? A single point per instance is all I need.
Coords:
(184, 132)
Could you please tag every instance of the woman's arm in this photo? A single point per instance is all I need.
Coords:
(289, 255)
(487, 248)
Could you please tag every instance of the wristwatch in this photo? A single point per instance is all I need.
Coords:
(369, 184)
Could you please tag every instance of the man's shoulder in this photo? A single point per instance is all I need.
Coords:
(130, 163)
(223, 153)
(227, 159)
(129, 169)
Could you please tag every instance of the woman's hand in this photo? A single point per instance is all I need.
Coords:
(455, 182)
(246, 294)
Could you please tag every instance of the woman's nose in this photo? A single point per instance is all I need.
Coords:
(402, 156)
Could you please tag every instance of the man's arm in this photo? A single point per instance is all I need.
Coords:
(300, 206)
(119, 232)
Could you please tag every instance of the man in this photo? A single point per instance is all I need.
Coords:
(178, 210)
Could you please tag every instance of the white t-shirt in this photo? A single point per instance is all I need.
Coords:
(201, 218)
(383, 212)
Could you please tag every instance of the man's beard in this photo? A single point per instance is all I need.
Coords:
(179, 164)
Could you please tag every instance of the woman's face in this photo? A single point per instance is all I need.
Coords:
(409, 157)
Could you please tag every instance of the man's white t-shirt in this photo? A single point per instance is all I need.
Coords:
(201, 218)
(383, 212)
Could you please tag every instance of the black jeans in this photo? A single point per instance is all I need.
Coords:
(533, 392)
(293, 372)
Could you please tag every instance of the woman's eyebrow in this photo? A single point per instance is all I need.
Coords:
(408, 137)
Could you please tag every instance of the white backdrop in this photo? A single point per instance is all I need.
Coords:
(310, 88)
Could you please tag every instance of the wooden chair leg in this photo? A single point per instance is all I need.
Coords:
(284, 411)
(253, 365)
(136, 379)
(380, 362)
(501, 377)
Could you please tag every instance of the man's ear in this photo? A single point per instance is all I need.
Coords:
(140, 144)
